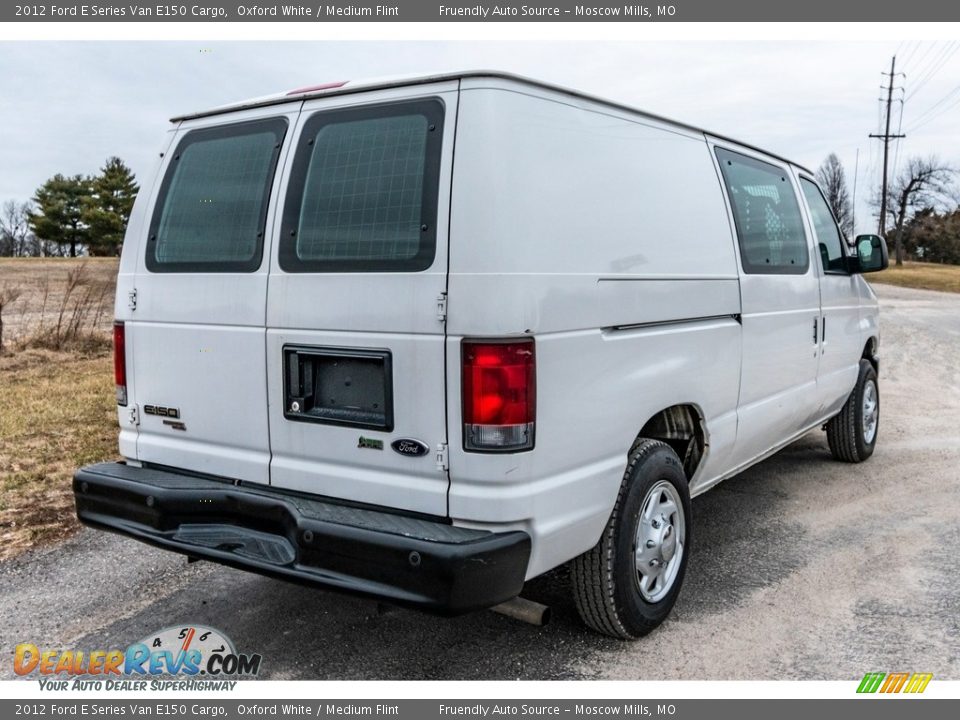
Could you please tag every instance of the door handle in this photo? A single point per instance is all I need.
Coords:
(816, 334)
(823, 329)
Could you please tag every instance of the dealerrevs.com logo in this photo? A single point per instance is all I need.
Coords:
(199, 657)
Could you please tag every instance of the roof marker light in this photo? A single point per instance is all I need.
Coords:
(317, 88)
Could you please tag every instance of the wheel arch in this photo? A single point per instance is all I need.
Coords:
(682, 427)
(871, 353)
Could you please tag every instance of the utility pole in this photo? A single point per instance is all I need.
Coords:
(887, 137)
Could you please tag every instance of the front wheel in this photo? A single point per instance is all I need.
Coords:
(626, 585)
(852, 433)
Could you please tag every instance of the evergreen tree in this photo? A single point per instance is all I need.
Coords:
(58, 217)
(932, 237)
(107, 209)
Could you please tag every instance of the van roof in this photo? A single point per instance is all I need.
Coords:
(356, 86)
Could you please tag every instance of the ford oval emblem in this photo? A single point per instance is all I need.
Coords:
(412, 448)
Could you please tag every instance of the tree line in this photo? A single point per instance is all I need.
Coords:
(71, 215)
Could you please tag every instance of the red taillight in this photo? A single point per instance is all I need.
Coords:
(120, 362)
(499, 394)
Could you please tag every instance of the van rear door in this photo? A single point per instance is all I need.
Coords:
(355, 338)
(196, 338)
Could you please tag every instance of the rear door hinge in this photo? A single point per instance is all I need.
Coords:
(442, 457)
(442, 307)
(134, 415)
(132, 299)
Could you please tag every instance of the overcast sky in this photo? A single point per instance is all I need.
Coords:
(66, 107)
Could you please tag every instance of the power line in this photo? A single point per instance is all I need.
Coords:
(935, 52)
(879, 114)
(923, 57)
(906, 61)
(936, 115)
(948, 52)
(896, 151)
(946, 102)
(937, 104)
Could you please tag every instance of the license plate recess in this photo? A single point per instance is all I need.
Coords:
(338, 386)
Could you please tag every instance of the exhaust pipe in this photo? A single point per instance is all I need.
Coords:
(528, 611)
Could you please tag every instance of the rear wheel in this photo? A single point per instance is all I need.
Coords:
(852, 433)
(626, 585)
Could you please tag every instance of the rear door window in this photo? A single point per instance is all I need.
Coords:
(211, 210)
(767, 215)
(363, 190)
(829, 238)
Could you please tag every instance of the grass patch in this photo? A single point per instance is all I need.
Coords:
(58, 412)
(56, 303)
(923, 276)
(57, 408)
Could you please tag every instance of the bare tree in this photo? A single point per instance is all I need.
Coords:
(833, 181)
(923, 183)
(14, 228)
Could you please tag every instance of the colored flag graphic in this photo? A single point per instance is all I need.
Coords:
(899, 682)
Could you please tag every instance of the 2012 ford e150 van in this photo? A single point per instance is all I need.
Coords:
(424, 339)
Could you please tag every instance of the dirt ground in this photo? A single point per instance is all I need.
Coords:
(57, 405)
(802, 568)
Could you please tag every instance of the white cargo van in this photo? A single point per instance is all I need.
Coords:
(425, 339)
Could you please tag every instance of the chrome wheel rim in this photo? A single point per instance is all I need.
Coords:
(660, 541)
(870, 411)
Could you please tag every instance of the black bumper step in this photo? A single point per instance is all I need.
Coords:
(408, 560)
(252, 544)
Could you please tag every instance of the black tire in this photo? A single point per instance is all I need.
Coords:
(845, 430)
(605, 580)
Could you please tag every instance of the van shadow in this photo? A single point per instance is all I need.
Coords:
(743, 542)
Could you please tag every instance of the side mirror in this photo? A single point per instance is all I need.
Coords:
(871, 253)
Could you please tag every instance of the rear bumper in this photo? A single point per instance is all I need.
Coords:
(413, 561)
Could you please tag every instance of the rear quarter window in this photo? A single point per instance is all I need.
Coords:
(766, 214)
(212, 206)
(363, 190)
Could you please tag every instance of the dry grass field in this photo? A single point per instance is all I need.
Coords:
(921, 276)
(57, 409)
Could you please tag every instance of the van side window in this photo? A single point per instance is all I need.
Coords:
(212, 206)
(363, 190)
(766, 214)
(829, 238)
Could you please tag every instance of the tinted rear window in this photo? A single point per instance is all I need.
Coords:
(212, 205)
(767, 215)
(363, 190)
